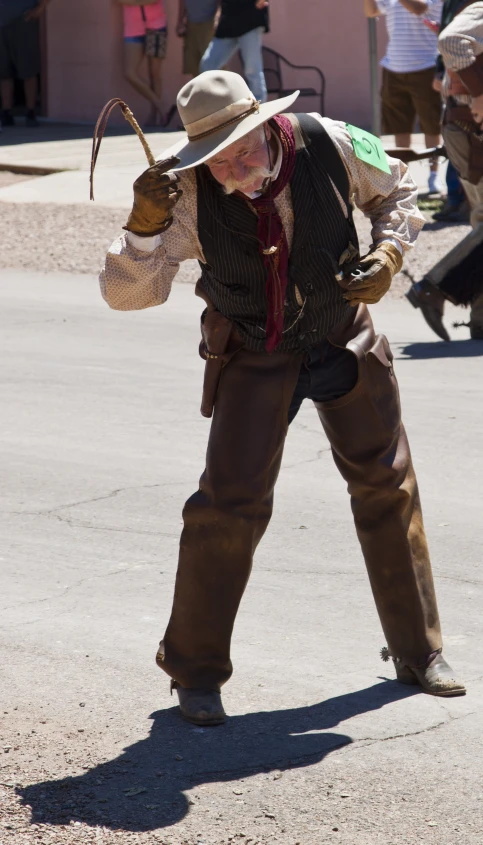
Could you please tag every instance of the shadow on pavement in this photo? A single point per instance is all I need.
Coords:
(142, 789)
(436, 225)
(440, 349)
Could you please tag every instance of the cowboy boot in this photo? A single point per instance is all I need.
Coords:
(434, 675)
(431, 301)
(200, 706)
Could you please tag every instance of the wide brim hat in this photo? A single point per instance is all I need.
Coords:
(217, 108)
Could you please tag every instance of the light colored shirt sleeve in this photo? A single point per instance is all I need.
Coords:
(462, 40)
(138, 272)
(389, 200)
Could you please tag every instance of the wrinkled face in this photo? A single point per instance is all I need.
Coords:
(244, 165)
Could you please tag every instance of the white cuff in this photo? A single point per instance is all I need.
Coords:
(144, 244)
(392, 241)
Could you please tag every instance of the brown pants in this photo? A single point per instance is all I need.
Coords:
(227, 517)
(458, 147)
(407, 95)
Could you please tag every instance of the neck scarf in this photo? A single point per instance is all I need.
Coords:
(272, 234)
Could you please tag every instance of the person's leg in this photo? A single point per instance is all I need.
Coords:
(196, 41)
(26, 58)
(428, 107)
(218, 53)
(476, 318)
(352, 384)
(402, 139)
(455, 209)
(371, 452)
(203, 37)
(7, 73)
(155, 69)
(7, 90)
(457, 276)
(133, 58)
(227, 516)
(397, 110)
(31, 90)
(251, 53)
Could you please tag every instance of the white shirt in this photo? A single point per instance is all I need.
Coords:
(138, 272)
(412, 46)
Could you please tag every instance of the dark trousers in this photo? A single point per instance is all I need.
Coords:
(356, 395)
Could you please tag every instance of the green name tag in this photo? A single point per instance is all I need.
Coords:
(368, 148)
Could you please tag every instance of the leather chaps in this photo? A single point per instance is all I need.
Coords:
(228, 515)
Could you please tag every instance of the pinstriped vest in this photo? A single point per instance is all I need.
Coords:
(234, 275)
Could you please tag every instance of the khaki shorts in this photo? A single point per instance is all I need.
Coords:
(405, 95)
(196, 40)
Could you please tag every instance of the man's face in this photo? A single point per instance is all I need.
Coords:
(244, 165)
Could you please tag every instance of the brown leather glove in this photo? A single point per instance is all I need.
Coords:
(155, 195)
(372, 276)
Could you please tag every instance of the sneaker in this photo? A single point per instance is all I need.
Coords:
(434, 185)
(7, 118)
(31, 119)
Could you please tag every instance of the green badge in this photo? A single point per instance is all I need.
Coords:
(368, 148)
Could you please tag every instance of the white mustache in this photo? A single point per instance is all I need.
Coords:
(254, 173)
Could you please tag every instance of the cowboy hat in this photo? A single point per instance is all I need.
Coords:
(217, 108)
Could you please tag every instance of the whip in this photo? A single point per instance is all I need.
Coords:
(100, 128)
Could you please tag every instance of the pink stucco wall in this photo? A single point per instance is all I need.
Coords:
(84, 43)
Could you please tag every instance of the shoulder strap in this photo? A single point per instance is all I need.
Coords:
(316, 137)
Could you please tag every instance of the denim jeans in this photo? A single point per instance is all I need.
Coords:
(456, 193)
(220, 51)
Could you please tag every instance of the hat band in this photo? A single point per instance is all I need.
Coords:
(197, 135)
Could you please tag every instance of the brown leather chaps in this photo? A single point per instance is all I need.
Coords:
(226, 518)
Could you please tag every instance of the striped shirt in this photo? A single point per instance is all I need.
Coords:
(412, 46)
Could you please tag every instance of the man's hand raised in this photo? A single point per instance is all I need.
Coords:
(155, 195)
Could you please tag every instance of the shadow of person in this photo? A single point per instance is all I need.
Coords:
(436, 225)
(440, 349)
(142, 789)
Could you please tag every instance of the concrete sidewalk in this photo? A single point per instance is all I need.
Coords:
(101, 442)
(121, 159)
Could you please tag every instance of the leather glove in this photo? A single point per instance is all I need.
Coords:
(155, 195)
(371, 277)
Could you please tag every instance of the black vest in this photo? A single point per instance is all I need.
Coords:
(234, 275)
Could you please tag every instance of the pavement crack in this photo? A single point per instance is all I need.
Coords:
(77, 523)
(374, 740)
(67, 589)
(458, 580)
(318, 456)
(112, 494)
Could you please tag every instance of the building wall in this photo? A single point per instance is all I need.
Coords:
(84, 56)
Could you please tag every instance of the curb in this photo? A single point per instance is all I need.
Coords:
(33, 170)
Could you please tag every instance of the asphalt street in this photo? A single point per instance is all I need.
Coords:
(101, 443)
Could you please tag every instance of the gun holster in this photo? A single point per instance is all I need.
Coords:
(216, 331)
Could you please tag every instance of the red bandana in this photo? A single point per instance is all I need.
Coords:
(272, 233)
